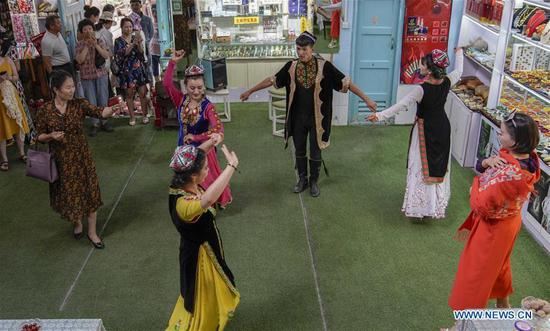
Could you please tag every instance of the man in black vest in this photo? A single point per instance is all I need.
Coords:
(309, 83)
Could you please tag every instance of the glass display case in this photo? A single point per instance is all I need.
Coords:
(513, 59)
(244, 51)
(526, 79)
(251, 29)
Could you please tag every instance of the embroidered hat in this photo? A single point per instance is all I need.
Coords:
(194, 70)
(309, 36)
(183, 158)
(440, 58)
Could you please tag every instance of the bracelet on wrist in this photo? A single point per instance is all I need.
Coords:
(234, 167)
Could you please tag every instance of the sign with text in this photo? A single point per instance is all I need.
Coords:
(246, 20)
(426, 28)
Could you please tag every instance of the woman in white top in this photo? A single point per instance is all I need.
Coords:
(428, 185)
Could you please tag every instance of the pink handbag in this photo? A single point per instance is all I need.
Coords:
(41, 165)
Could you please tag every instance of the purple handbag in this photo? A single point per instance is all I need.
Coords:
(41, 165)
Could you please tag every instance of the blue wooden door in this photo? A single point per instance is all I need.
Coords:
(377, 43)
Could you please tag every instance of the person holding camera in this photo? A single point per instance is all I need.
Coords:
(91, 54)
(131, 68)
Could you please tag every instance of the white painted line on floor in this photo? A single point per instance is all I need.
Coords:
(92, 250)
(311, 255)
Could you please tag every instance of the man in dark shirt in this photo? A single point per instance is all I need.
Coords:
(309, 82)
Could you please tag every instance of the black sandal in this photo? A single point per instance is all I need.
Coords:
(4, 166)
(23, 158)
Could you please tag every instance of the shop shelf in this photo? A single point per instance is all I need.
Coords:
(479, 64)
(528, 89)
(491, 28)
(531, 41)
(541, 4)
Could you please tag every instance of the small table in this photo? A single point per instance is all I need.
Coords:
(56, 325)
(214, 96)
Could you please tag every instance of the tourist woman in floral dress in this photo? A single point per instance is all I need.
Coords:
(59, 123)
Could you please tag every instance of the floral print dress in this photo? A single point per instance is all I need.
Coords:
(76, 193)
(133, 70)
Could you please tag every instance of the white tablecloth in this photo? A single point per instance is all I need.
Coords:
(56, 325)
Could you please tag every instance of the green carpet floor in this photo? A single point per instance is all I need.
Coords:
(374, 268)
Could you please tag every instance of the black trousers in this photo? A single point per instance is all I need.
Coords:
(301, 128)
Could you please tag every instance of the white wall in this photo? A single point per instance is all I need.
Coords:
(342, 60)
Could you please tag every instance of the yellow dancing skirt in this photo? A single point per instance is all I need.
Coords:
(8, 125)
(216, 298)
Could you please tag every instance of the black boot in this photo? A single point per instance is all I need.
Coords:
(301, 165)
(314, 168)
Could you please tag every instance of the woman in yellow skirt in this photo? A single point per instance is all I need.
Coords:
(208, 296)
(13, 121)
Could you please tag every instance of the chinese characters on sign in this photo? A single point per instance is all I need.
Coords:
(246, 20)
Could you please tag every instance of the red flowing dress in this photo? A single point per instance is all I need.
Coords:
(496, 199)
(201, 125)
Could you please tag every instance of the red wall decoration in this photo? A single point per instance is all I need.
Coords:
(426, 28)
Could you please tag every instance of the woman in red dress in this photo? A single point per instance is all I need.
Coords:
(197, 118)
(496, 199)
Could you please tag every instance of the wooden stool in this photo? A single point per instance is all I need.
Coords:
(274, 96)
(278, 109)
(225, 116)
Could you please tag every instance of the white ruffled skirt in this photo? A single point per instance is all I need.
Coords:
(424, 199)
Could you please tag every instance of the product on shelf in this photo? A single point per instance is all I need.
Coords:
(46, 8)
(515, 98)
(483, 57)
(538, 80)
(531, 22)
(243, 51)
(472, 92)
(251, 29)
(479, 44)
(486, 11)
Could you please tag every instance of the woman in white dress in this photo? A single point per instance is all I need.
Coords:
(428, 169)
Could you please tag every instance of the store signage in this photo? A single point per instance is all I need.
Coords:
(426, 28)
(246, 20)
(232, 2)
(177, 8)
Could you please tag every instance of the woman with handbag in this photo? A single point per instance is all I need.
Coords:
(91, 54)
(60, 123)
(132, 71)
(13, 121)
